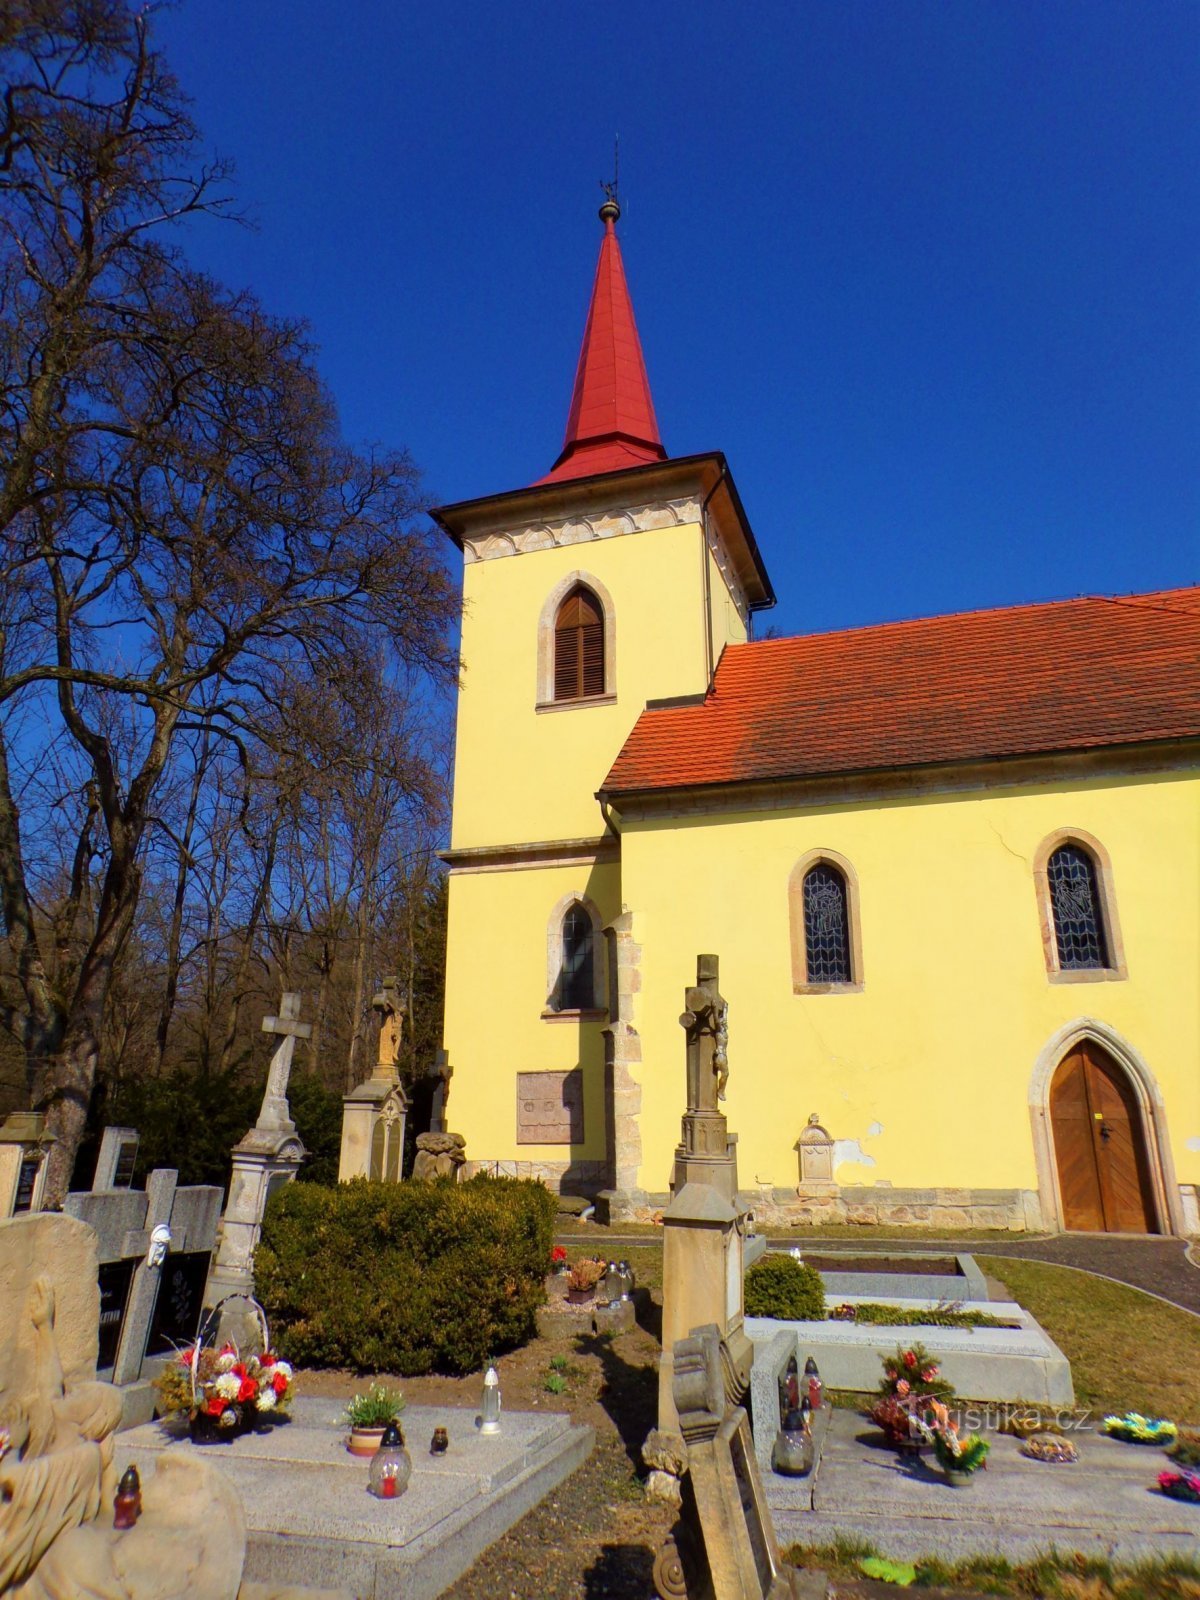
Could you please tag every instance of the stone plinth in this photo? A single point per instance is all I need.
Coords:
(373, 1121)
(262, 1161)
(310, 1519)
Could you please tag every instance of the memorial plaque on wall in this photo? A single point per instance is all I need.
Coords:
(180, 1301)
(115, 1278)
(550, 1107)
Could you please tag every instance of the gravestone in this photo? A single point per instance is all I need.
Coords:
(269, 1155)
(117, 1159)
(139, 1268)
(704, 1227)
(723, 1547)
(375, 1114)
(24, 1146)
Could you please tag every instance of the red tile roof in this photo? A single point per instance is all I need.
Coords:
(1070, 675)
(611, 423)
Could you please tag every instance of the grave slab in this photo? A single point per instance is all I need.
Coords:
(310, 1519)
(1021, 1363)
(1106, 1502)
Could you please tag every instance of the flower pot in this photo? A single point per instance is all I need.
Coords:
(581, 1297)
(958, 1480)
(364, 1441)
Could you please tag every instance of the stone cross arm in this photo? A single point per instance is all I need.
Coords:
(287, 1022)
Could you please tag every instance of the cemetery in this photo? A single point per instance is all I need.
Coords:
(136, 1318)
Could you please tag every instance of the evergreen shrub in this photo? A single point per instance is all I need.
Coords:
(780, 1286)
(404, 1277)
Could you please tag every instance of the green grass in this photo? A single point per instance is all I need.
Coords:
(1128, 1352)
(1055, 1575)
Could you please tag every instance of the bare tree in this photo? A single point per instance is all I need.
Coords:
(188, 548)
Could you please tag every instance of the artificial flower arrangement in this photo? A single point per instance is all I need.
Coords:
(223, 1389)
(911, 1378)
(585, 1275)
(558, 1258)
(1137, 1429)
(1183, 1485)
(1052, 1447)
(954, 1454)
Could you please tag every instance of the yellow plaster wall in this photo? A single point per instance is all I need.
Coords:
(522, 775)
(938, 1050)
(496, 990)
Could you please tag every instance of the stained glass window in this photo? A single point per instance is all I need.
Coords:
(826, 926)
(1075, 901)
(576, 990)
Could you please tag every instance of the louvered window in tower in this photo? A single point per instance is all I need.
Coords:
(1075, 901)
(826, 926)
(578, 647)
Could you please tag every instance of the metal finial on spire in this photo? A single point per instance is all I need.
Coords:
(610, 211)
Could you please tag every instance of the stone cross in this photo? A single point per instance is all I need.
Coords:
(706, 1023)
(274, 1114)
(441, 1072)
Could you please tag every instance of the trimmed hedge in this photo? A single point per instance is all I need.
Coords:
(780, 1286)
(404, 1277)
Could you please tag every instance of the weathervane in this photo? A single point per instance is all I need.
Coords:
(612, 206)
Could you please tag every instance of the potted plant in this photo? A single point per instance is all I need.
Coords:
(911, 1378)
(959, 1459)
(368, 1415)
(582, 1280)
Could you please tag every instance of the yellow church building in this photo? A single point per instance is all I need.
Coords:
(950, 867)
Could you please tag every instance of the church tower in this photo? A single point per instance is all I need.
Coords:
(613, 581)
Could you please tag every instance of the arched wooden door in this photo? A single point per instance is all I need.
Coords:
(1100, 1145)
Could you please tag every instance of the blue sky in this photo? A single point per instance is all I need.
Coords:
(928, 273)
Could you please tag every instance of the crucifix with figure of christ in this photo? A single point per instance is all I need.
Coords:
(275, 1113)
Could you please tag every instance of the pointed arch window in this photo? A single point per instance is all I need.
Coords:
(579, 646)
(1080, 933)
(823, 907)
(574, 959)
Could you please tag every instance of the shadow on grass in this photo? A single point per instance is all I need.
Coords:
(620, 1569)
(629, 1393)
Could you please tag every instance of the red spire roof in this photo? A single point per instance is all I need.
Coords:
(611, 422)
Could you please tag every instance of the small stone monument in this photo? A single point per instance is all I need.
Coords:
(815, 1150)
(724, 1545)
(704, 1227)
(269, 1155)
(24, 1146)
(374, 1115)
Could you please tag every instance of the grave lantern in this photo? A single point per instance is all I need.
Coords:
(613, 1284)
(627, 1279)
(816, 1388)
(792, 1455)
(127, 1507)
(391, 1466)
(489, 1410)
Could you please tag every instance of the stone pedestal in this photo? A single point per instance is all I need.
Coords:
(373, 1121)
(24, 1146)
(703, 1241)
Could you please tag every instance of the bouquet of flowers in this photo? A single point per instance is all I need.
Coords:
(1134, 1428)
(228, 1390)
(1183, 1485)
(1049, 1447)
